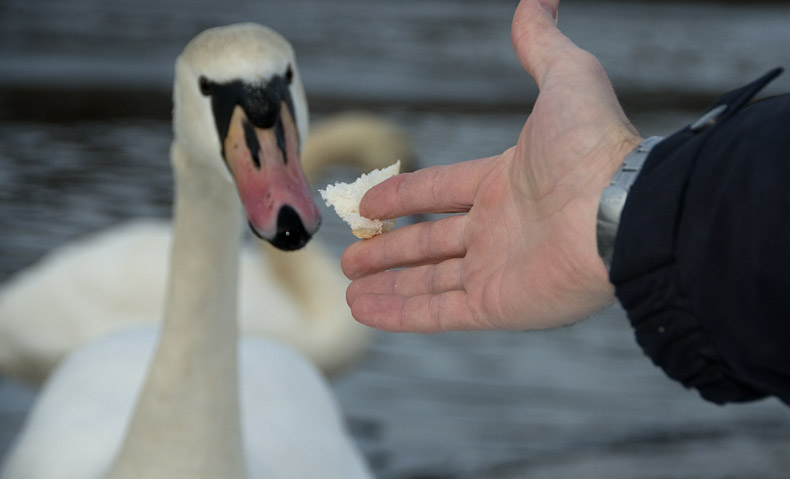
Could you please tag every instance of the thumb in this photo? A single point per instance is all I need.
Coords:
(535, 36)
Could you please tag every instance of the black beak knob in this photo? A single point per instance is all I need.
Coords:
(291, 233)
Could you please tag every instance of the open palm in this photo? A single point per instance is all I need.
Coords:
(521, 253)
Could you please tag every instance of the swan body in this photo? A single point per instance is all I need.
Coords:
(188, 399)
(79, 415)
(116, 278)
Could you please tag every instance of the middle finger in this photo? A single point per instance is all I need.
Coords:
(422, 243)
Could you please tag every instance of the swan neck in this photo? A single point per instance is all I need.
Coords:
(187, 420)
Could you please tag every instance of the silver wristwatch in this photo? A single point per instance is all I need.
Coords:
(614, 196)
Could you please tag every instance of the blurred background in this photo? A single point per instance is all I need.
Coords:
(84, 137)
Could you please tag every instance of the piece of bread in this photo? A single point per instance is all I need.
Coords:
(345, 198)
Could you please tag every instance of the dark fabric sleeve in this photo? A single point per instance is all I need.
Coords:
(702, 255)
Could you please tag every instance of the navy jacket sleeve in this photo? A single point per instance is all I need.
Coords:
(702, 255)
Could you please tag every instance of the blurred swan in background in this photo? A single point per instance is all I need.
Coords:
(116, 277)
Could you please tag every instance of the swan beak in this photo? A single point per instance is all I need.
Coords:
(267, 170)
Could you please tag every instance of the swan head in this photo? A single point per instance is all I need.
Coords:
(239, 107)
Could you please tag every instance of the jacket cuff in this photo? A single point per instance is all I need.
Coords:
(644, 269)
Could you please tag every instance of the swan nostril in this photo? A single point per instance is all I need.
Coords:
(291, 233)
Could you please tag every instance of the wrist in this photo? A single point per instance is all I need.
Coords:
(614, 196)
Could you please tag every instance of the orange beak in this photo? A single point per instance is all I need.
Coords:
(267, 170)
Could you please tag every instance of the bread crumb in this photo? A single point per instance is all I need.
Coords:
(345, 199)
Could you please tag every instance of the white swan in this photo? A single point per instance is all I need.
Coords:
(208, 405)
(116, 278)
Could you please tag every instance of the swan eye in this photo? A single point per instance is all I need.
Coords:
(289, 74)
(206, 86)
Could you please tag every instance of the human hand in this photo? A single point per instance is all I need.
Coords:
(522, 252)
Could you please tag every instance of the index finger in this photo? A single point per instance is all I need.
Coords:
(437, 189)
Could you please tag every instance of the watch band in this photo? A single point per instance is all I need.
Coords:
(614, 196)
